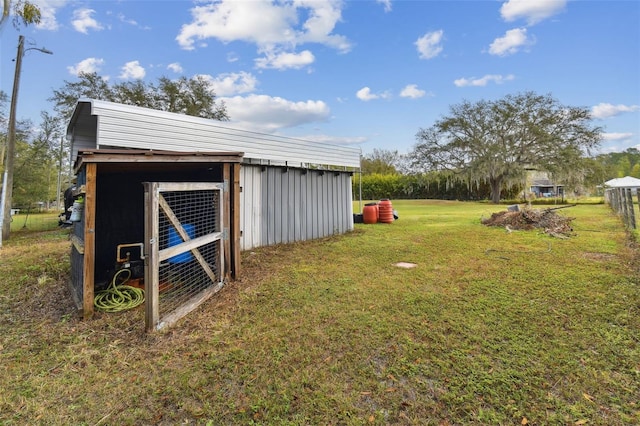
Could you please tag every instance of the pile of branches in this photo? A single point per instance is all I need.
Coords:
(526, 219)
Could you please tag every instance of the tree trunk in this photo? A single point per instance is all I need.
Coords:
(496, 186)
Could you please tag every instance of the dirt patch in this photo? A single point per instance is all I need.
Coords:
(547, 220)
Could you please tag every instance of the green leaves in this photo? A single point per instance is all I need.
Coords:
(193, 96)
(498, 140)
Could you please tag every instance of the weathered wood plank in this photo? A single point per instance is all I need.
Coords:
(234, 206)
(189, 306)
(191, 244)
(151, 262)
(88, 279)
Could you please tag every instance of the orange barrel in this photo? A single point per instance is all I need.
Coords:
(370, 213)
(385, 214)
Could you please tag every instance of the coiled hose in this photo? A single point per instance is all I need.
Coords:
(119, 297)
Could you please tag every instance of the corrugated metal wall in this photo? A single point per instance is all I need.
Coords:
(280, 205)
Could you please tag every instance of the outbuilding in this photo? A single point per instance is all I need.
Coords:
(627, 182)
(175, 198)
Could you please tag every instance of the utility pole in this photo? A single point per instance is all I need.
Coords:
(59, 186)
(7, 182)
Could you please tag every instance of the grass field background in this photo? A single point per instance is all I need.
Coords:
(489, 327)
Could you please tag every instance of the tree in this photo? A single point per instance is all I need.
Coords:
(36, 164)
(24, 13)
(380, 161)
(184, 96)
(497, 141)
(624, 166)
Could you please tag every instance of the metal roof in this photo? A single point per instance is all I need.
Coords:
(624, 182)
(99, 124)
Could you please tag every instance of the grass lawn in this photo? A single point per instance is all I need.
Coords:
(489, 327)
(24, 222)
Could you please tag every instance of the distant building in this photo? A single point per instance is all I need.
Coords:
(541, 186)
(623, 182)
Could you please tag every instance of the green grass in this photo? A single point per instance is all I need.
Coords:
(490, 327)
(34, 222)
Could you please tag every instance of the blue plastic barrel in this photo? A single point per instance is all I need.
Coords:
(175, 239)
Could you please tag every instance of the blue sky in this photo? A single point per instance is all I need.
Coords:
(365, 73)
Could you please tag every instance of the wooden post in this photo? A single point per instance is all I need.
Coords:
(151, 258)
(88, 275)
(631, 213)
(620, 205)
(235, 221)
(226, 218)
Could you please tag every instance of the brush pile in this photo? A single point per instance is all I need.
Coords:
(546, 220)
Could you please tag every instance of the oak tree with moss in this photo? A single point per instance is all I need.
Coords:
(498, 141)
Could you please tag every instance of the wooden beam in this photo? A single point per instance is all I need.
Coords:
(77, 243)
(190, 244)
(188, 306)
(234, 214)
(88, 275)
(226, 219)
(151, 262)
(145, 156)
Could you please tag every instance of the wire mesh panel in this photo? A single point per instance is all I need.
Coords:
(187, 253)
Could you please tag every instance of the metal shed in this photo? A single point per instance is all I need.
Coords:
(274, 189)
(291, 189)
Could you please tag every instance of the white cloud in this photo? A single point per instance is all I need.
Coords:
(386, 4)
(605, 110)
(412, 91)
(335, 140)
(132, 71)
(87, 66)
(83, 21)
(230, 84)
(285, 60)
(122, 18)
(175, 67)
(429, 45)
(483, 81)
(48, 9)
(533, 11)
(268, 114)
(269, 25)
(365, 94)
(616, 136)
(511, 42)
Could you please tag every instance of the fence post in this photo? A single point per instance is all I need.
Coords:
(638, 196)
(630, 212)
(623, 207)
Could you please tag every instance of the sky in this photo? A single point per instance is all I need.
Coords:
(369, 74)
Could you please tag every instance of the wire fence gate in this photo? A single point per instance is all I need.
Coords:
(184, 263)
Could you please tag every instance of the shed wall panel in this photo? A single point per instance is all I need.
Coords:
(250, 207)
(293, 205)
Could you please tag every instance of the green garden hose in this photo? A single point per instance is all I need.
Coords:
(119, 297)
